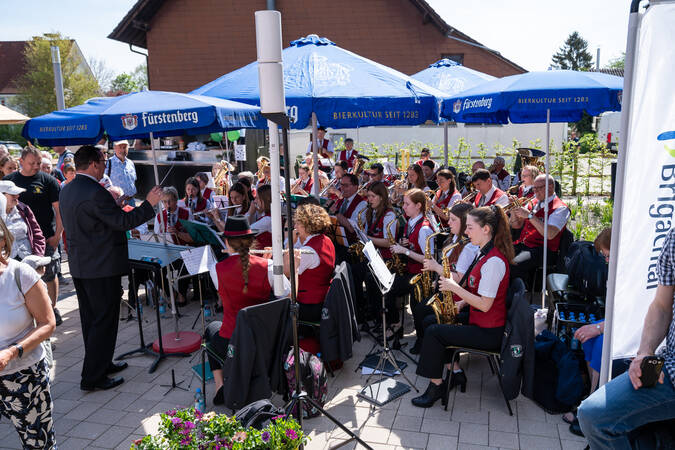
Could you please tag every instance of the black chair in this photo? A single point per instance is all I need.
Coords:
(516, 287)
(555, 261)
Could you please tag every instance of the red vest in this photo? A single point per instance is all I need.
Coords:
(491, 201)
(351, 159)
(201, 204)
(231, 288)
(308, 186)
(496, 315)
(264, 239)
(351, 237)
(413, 244)
(521, 189)
(530, 237)
(376, 229)
(207, 193)
(182, 214)
(445, 203)
(313, 284)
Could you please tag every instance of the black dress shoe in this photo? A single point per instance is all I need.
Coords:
(433, 393)
(575, 428)
(114, 367)
(219, 398)
(459, 379)
(105, 383)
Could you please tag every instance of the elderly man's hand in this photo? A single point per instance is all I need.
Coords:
(154, 196)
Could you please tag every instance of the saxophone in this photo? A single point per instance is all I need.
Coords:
(442, 303)
(424, 278)
(356, 249)
(395, 263)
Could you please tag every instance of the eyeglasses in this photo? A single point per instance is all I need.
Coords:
(536, 188)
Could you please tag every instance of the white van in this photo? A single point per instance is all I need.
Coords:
(609, 124)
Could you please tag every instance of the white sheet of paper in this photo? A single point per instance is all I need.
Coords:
(198, 260)
(240, 152)
(378, 266)
(220, 201)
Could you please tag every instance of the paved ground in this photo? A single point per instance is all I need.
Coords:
(113, 419)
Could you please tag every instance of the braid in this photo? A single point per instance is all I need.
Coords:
(242, 245)
(245, 259)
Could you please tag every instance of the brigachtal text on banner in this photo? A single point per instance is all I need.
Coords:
(648, 203)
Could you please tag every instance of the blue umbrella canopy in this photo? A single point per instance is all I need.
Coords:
(138, 114)
(345, 90)
(451, 77)
(526, 97)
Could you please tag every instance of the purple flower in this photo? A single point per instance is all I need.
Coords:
(189, 425)
(171, 412)
(278, 417)
(265, 436)
(186, 441)
(198, 414)
(291, 434)
(176, 420)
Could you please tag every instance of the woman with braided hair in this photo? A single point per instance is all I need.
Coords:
(242, 280)
(482, 326)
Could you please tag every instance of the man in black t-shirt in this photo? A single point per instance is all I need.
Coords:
(42, 196)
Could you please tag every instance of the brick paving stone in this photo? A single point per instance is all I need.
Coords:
(114, 436)
(408, 439)
(539, 442)
(439, 426)
(472, 433)
(87, 430)
(407, 423)
(503, 440)
(537, 428)
(75, 444)
(439, 442)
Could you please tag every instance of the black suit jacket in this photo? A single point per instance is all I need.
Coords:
(95, 229)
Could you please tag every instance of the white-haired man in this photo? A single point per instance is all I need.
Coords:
(500, 176)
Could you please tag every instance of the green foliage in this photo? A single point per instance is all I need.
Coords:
(36, 85)
(12, 133)
(588, 219)
(188, 429)
(584, 125)
(573, 54)
(617, 63)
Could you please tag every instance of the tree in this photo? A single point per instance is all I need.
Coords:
(36, 85)
(140, 76)
(573, 55)
(617, 63)
(102, 73)
(122, 84)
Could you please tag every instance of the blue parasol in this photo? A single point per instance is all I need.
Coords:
(538, 97)
(451, 77)
(343, 89)
(139, 114)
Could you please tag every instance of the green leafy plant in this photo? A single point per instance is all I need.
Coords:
(189, 429)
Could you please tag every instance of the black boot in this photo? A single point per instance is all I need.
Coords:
(433, 393)
(459, 379)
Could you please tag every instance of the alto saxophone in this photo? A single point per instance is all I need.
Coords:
(442, 303)
(396, 263)
(356, 249)
(424, 278)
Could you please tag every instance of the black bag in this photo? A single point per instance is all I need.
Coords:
(258, 414)
(587, 269)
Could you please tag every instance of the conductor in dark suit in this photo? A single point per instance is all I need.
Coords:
(97, 254)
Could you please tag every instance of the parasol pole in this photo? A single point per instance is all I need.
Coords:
(548, 153)
(277, 231)
(446, 153)
(316, 185)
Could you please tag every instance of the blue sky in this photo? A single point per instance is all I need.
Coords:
(525, 31)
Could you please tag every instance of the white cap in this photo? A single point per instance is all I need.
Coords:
(122, 142)
(8, 187)
(36, 261)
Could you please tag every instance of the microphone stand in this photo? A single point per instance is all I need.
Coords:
(299, 396)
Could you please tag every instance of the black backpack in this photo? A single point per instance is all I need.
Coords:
(258, 414)
(587, 269)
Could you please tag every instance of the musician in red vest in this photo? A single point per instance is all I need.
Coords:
(325, 147)
(481, 325)
(242, 280)
(348, 153)
(488, 193)
(530, 245)
(376, 174)
(425, 155)
(500, 177)
(527, 175)
(193, 199)
(315, 265)
(349, 207)
(203, 180)
(262, 211)
(446, 195)
(412, 245)
(171, 220)
(303, 185)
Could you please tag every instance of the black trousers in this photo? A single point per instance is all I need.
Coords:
(217, 343)
(438, 337)
(99, 303)
(310, 312)
(424, 317)
(525, 269)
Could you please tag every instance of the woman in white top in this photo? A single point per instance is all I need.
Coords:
(26, 320)
(459, 260)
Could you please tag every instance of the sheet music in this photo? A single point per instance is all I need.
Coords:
(152, 237)
(378, 266)
(198, 260)
(220, 201)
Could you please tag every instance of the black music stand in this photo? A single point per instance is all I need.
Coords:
(151, 256)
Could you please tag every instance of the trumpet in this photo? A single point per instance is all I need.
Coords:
(333, 183)
(469, 197)
(517, 203)
(513, 190)
(262, 252)
(296, 185)
(223, 208)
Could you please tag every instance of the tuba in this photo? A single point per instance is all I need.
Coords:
(442, 303)
(221, 172)
(423, 280)
(260, 174)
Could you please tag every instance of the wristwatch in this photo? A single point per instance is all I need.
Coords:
(530, 215)
(407, 253)
(19, 348)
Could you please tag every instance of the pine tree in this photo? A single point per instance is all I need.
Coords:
(573, 55)
(36, 85)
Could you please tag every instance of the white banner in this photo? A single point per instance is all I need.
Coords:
(649, 189)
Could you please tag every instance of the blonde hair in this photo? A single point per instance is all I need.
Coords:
(313, 218)
(5, 234)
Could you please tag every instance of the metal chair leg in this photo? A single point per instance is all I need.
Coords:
(501, 386)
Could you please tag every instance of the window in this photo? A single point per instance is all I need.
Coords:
(456, 57)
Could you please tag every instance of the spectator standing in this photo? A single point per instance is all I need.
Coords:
(64, 154)
(122, 172)
(20, 220)
(8, 165)
(46, 166)
(42, 197)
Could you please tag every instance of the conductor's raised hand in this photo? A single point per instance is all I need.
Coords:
(154, 196)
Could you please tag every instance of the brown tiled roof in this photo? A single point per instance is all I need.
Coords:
(11, 64)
